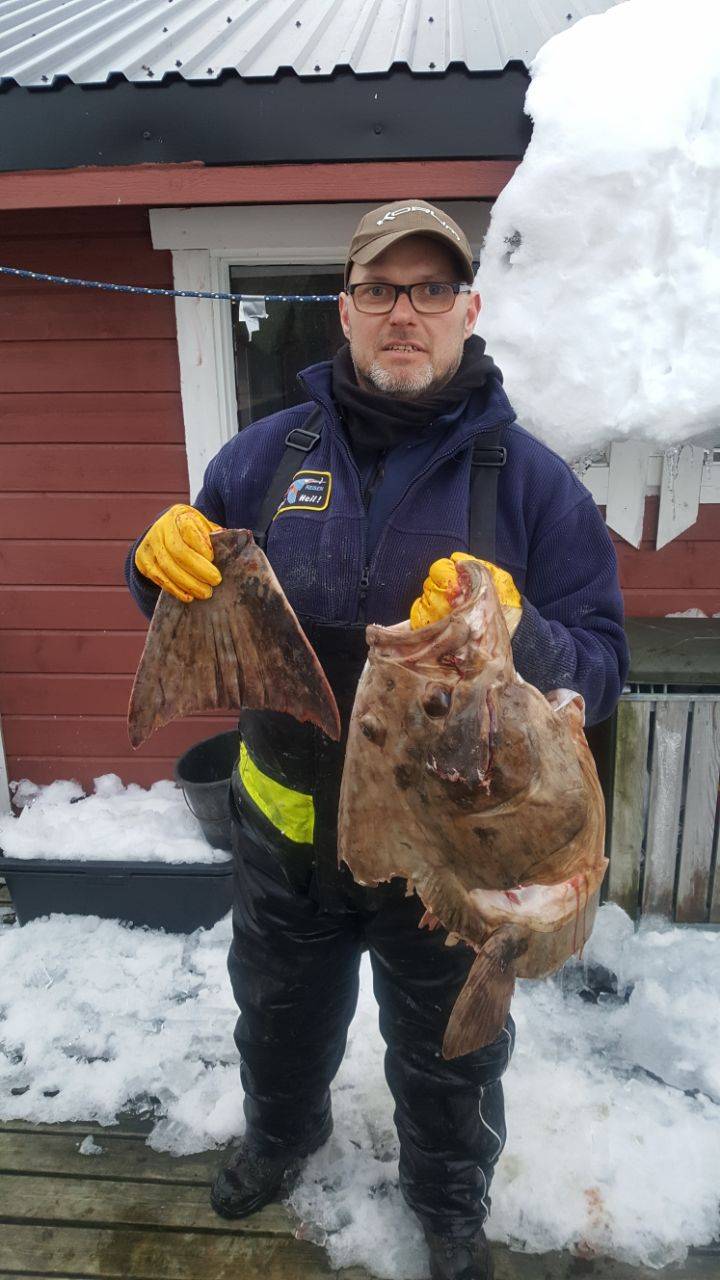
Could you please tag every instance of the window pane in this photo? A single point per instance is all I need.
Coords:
(295, 334)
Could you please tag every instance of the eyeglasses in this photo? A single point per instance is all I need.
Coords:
(430, 298)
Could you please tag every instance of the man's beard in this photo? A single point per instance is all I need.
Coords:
(407, 385)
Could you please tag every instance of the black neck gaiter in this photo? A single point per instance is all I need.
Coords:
(377, 421)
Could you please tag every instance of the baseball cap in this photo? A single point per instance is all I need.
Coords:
(384, 226)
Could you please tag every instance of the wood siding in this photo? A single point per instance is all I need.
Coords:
(199, 184)
(91, 448)
(685, 574)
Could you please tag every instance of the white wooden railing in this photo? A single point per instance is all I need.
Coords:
(662, 834)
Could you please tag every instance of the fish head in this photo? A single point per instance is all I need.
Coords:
(442, 687)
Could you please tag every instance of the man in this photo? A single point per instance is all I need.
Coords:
(377, 488)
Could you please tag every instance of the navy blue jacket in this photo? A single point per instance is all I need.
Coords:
(550, 535)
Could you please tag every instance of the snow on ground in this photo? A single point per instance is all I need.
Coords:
(600, 274)
(613, 1102)
(116, 822)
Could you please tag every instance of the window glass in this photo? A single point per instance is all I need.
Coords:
(295, 335)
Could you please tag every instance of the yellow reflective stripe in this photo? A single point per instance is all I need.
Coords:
(292, 812)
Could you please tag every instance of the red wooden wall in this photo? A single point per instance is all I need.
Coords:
(685, 574)
(91, 448)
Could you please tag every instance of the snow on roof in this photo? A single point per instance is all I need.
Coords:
(144, 40)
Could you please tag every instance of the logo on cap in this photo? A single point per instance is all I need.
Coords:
(417, 208)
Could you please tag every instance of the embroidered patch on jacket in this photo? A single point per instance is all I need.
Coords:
(309, 491)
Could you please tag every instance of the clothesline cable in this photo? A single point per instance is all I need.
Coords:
(218, 296)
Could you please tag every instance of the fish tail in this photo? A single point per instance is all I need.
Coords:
(481, 1009)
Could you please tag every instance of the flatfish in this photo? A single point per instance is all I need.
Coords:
(481, 792)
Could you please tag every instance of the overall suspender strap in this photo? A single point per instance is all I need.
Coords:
(487, 459)
(297, 442)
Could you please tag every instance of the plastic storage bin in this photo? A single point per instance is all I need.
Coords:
(178, 897)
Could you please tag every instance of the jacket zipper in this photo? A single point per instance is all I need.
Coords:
(375, 478)
(362, 598)
(367, 494)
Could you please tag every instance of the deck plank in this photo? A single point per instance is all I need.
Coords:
(127, 1126)
(118, 1254)
(131, 1213)
(91, 1254)
(124, 1158)
(100, 1202)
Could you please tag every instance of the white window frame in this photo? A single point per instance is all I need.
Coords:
(205, 243)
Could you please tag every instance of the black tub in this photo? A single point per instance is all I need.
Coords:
(204, 773)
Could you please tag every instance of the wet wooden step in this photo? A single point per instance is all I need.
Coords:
(130, 1254)
(131, 1213)
(57, 1152)
(102, 1202)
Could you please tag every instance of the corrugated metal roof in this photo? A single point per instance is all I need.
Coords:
(144, 40)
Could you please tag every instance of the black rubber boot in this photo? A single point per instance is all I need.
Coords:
(454, 1258)
(252, 1180)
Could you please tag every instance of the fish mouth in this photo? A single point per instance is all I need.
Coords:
(466, 749)
(473, 778)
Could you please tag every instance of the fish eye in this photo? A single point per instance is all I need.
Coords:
(373, 729)
(436, 700)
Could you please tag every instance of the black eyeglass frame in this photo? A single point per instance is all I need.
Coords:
(407, 288)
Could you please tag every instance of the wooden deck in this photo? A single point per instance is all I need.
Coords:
(130, 1213)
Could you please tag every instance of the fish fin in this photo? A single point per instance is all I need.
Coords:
(243, 647)
(481, 1009)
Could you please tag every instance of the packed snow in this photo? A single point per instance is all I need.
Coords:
(114, 823)
(691, 613)
(88, 1147)
(613, 1095)
(600, 274)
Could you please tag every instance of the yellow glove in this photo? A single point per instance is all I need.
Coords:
(176, 553)
(441, 584)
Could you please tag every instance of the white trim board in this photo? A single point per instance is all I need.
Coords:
(595, 477)
(4, 780)
(205, 243)
(683, 476)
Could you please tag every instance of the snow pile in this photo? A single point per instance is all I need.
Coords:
(95, 1016)
(600, 275)
(116, 822)
(691, 613)
(607, 1150)
(613, 1095)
